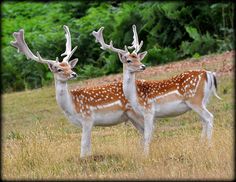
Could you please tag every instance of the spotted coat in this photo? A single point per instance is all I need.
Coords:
(186, 84)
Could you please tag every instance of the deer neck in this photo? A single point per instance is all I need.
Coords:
(130, 89)
(63, 97)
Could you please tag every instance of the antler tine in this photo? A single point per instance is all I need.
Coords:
(68, 53)
(40, 58)
(99, 38)
(22, 47)
(68, 41)
(135, 44)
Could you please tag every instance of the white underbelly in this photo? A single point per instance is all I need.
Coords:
(170, 109)
(108, 114)
(109, 118)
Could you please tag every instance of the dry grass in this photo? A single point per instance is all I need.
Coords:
(39, 143)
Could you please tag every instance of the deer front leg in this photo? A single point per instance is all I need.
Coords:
(137, 120)
(86, 139)
(148, 129)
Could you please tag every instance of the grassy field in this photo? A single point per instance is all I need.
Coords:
(39, 143)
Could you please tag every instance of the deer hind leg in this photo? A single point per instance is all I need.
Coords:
(207, 120)
(204, 127)
(208, 117)
(86, 138)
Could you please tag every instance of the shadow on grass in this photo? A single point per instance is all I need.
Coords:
(96, 158)
(99, 163)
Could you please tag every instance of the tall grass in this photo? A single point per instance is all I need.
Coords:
(39, 143)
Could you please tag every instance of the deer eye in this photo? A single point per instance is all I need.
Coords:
(129, 61)
(59, 70)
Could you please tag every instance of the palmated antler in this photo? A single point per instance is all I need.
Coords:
(135, 44)
(68, 53)
(22, 47)
(99, 38)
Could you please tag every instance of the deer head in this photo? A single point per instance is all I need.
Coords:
(62, 70)
(131, 60)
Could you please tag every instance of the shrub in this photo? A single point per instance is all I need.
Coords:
(170, 31)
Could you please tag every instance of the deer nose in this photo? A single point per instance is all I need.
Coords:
(143, 67)
(74, 75)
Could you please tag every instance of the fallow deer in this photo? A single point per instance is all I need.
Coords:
(189, 90)
(103, 105)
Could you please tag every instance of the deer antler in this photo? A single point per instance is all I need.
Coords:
(135, 44)
(99, 38)
(22, 47)
(68, 53)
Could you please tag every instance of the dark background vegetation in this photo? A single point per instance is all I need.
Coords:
(171, 31)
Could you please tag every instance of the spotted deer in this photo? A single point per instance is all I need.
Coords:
(190, 90)
(85, 107)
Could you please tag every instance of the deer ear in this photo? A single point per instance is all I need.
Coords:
(122, 57)
(73, 62)
(51, 67)
(142, 55)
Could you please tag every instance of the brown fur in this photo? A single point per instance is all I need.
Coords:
(98, 96)
(188, 84)
(185, 83)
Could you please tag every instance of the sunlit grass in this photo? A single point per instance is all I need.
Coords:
(39, 143)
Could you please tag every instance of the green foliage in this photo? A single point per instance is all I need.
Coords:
(161, 55)
(170, 31)
(192, 32)
(201, 44)
(91, 71)
(20, 73)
